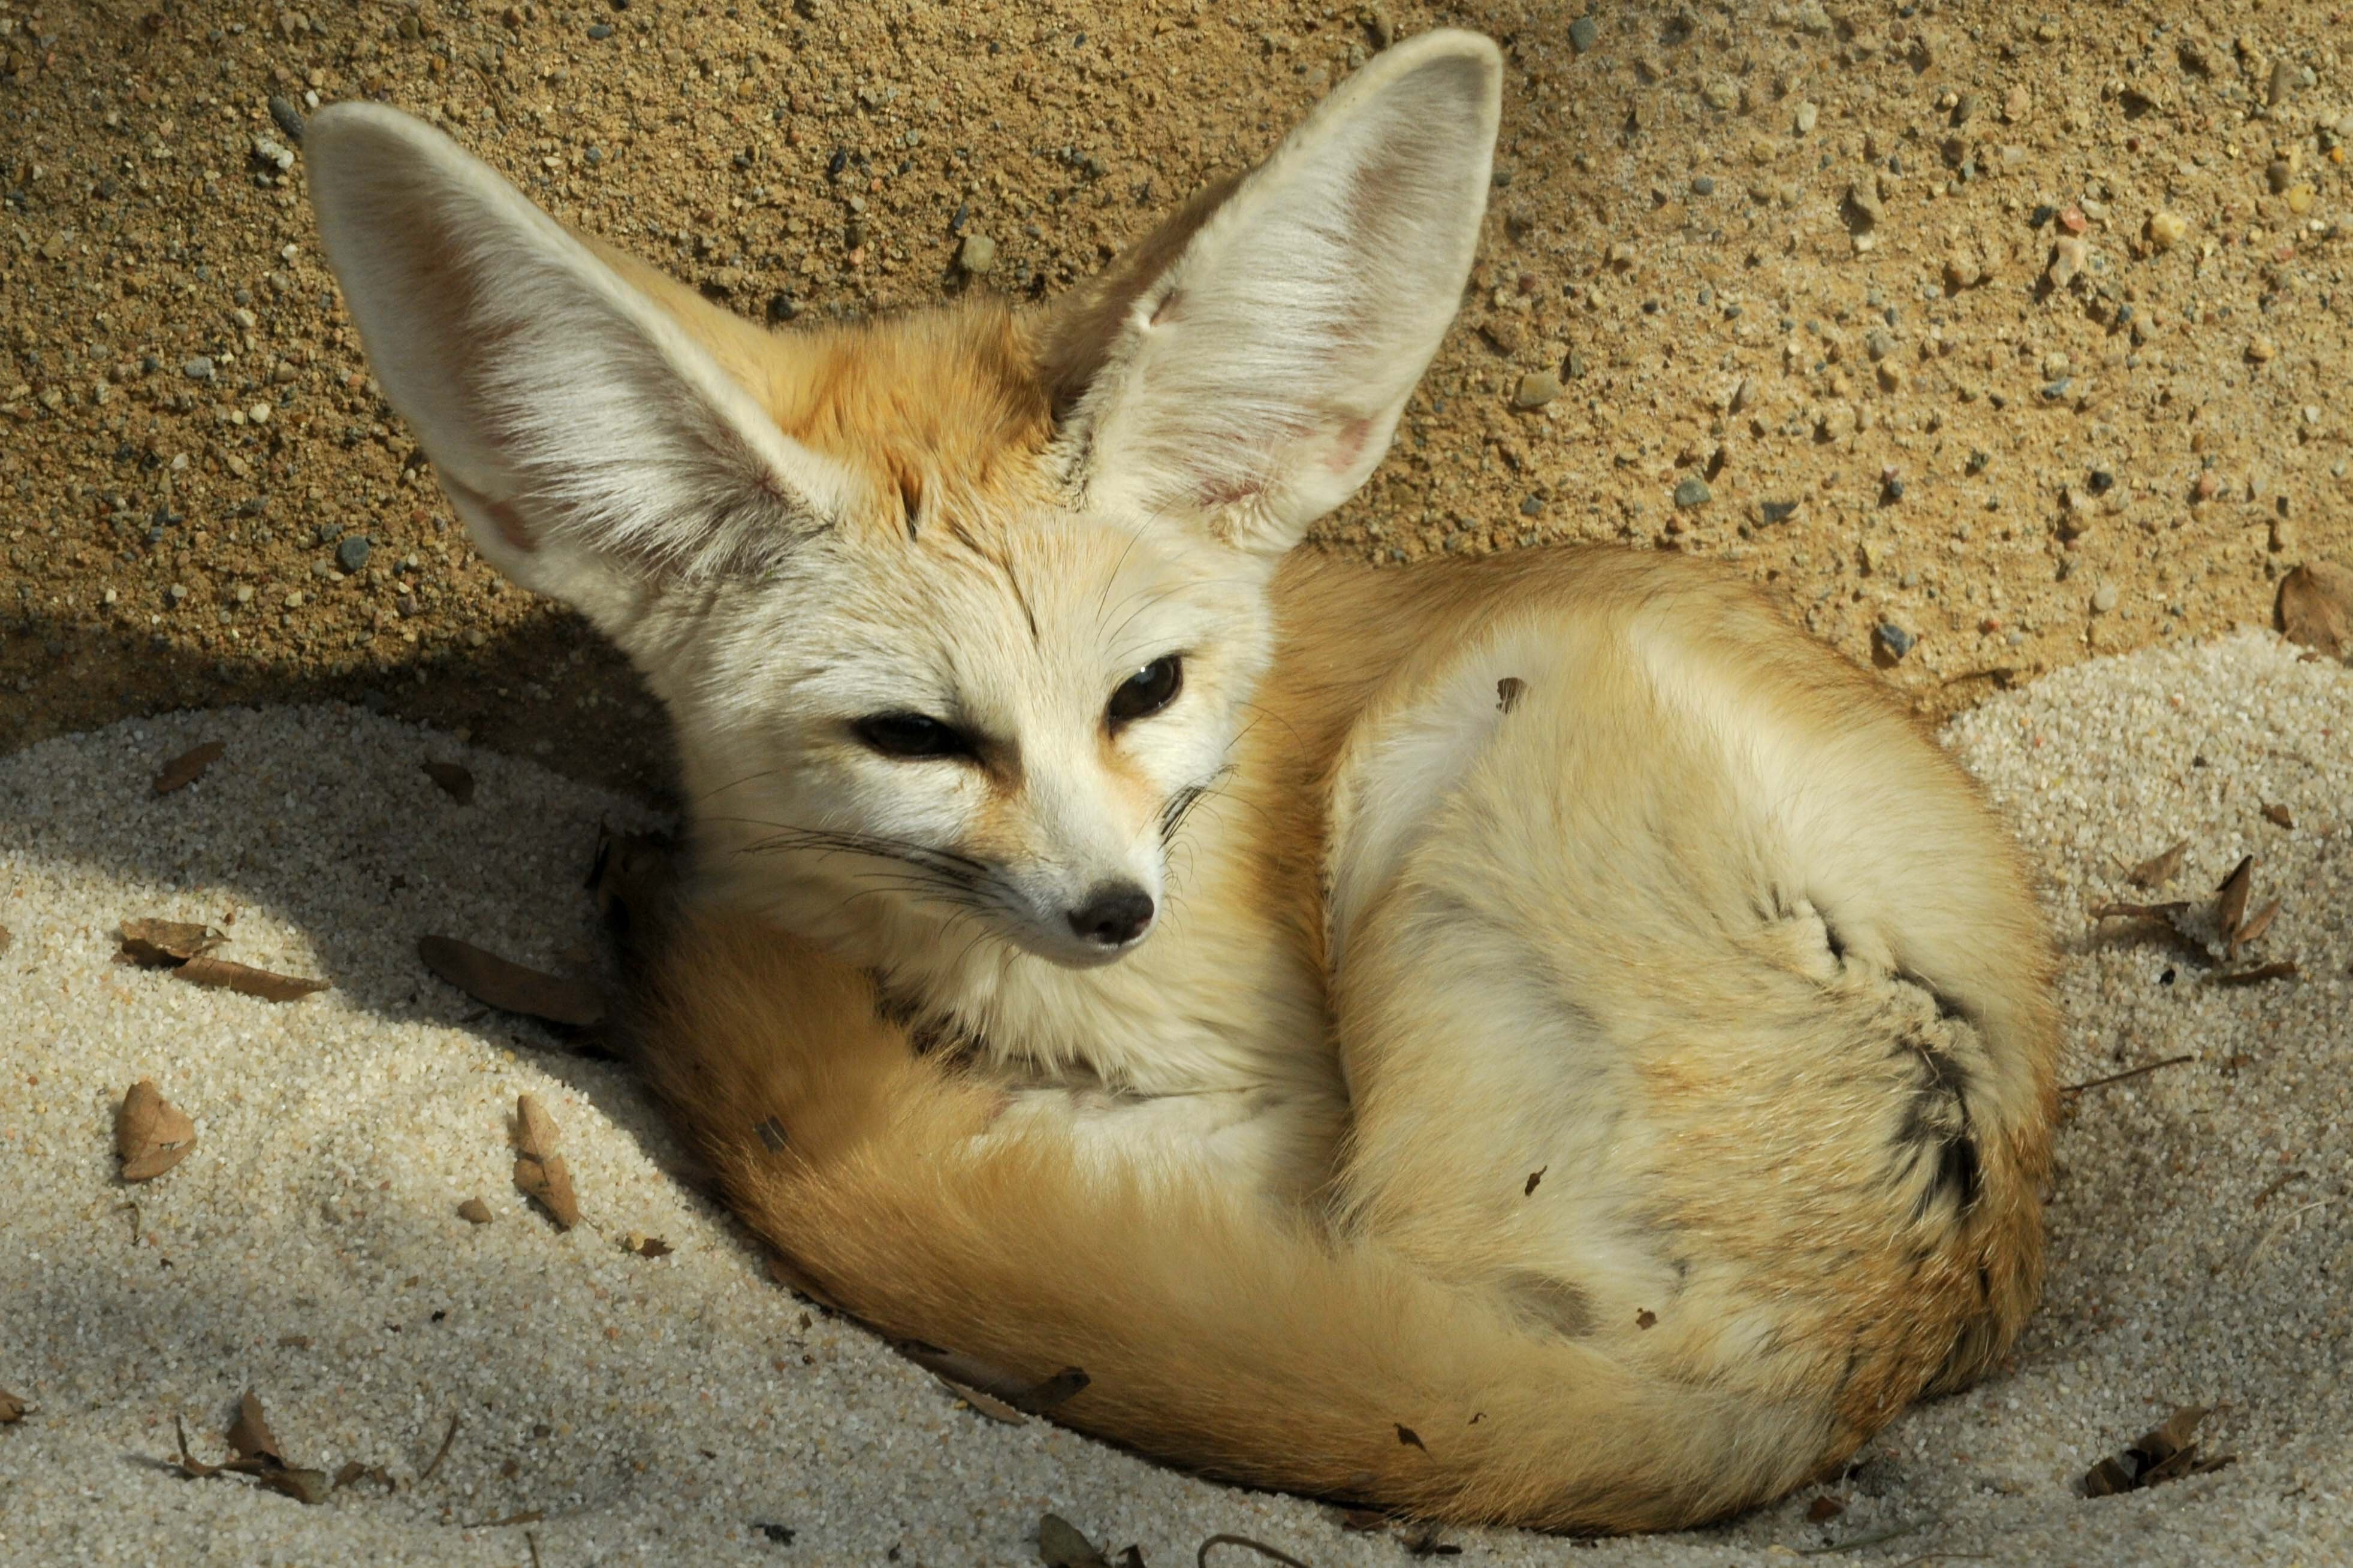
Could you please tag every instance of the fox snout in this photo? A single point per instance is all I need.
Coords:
(1115, 916)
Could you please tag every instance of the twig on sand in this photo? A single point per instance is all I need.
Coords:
(2128, 1072)
(441, 1453)
(1201, 1558)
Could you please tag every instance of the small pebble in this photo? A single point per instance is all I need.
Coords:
(977, 254)
(2105, 598)
(2263, 350)
(1809, 114)
(200, 368)
(601, 31)
(2167, 229)
(352, 555)
(289, 118)
(1582, 34)
(1892, 639)
(1535, 389)
(1693, 492)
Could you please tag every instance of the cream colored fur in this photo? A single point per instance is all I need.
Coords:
(1591, 1064)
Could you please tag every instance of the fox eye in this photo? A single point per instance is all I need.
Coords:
(1148, 690)
(911, 736)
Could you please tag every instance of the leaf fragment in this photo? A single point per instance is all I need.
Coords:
(510, 986)
(151, 1134)
(1408, 1435)
(250, 1435)
(981, 1403)
(2316, 608)
(188, 766)
(539, 1171)
(1824, 1508)
(1061, 1544)
(2159, 868)
(1507, 693)
(158, 944)
(2251, 929)
(474, 1211)
(2231, 904)
(220, 973)
(2165, 1452)
(2279, 816)
(453, 780)
(647, 1245)
(1529, 1190)
(12, 1409)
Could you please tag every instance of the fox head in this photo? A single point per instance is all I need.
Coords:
(957, 614)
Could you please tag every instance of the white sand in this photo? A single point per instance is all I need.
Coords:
(660, 1410)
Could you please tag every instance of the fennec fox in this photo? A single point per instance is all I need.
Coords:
(1526, 1039)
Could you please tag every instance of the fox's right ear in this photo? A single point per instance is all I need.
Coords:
(1245, 367)
(591, 444)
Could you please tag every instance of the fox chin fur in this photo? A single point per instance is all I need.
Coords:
(1571, 1052)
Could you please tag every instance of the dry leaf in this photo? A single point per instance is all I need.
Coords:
(981, 1403)
(1535, 1177)
(646, 1246)
(2159, 868)
(2139, 912)
(188, 767)
(539, 1170)
(302, 1486)
(1646, 1319)
(2231, 908)
(2164, 1453)
(12, 1409)
(2280, 816)
(2316, 608)
(1408, 1435)
(474, 1211)
(455, 782)
(2284, 969)
(2253, 928)
(220, 973)
(1823, 1509)
(151, 1134)
(1061, 1544)
(508, 986)
(162, 943)
(8, 940)
(250, 1435)
(1507, 693)
(1363, 1520)
(189, 1464)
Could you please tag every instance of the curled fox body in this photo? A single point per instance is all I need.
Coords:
(1530, 1039)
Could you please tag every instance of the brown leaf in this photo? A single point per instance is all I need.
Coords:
(455, 781)
(1824, 1508)
(12, 1409)
(981, 1403)
(1061, 1544)
(188, 1464)
(2231, 908)
(539, 1171)
(2165, 1452)
(1646, 1319)
(2251, 930)
(250, 1435)
(151, 1134)
(162, 943)
(1408, 1435)
(220, 973)
(500, 983)
(2282, 968)
(2139, 912)
(1363, 1520)
(647, 1245)
(188, 766)
(2159, 868)
(1535, 1177)
(474, 1211)
(2280, 816)
(1507, 693)
(2316, 608)
(8, 940)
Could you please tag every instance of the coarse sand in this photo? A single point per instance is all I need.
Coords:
(686, 1408)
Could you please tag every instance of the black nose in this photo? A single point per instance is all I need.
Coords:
(1113, 915)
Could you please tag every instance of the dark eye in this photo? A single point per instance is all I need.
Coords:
(911, 736)
(1148, 690)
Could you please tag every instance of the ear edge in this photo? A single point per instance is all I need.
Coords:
(365, 155)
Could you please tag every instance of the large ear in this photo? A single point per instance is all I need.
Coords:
(590, 441)
(1245, 365)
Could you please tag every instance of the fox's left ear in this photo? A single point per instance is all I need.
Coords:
(1247, 364)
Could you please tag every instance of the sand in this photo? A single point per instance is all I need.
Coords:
(686, 1409)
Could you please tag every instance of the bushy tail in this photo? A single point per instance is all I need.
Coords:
(1214, 1334)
